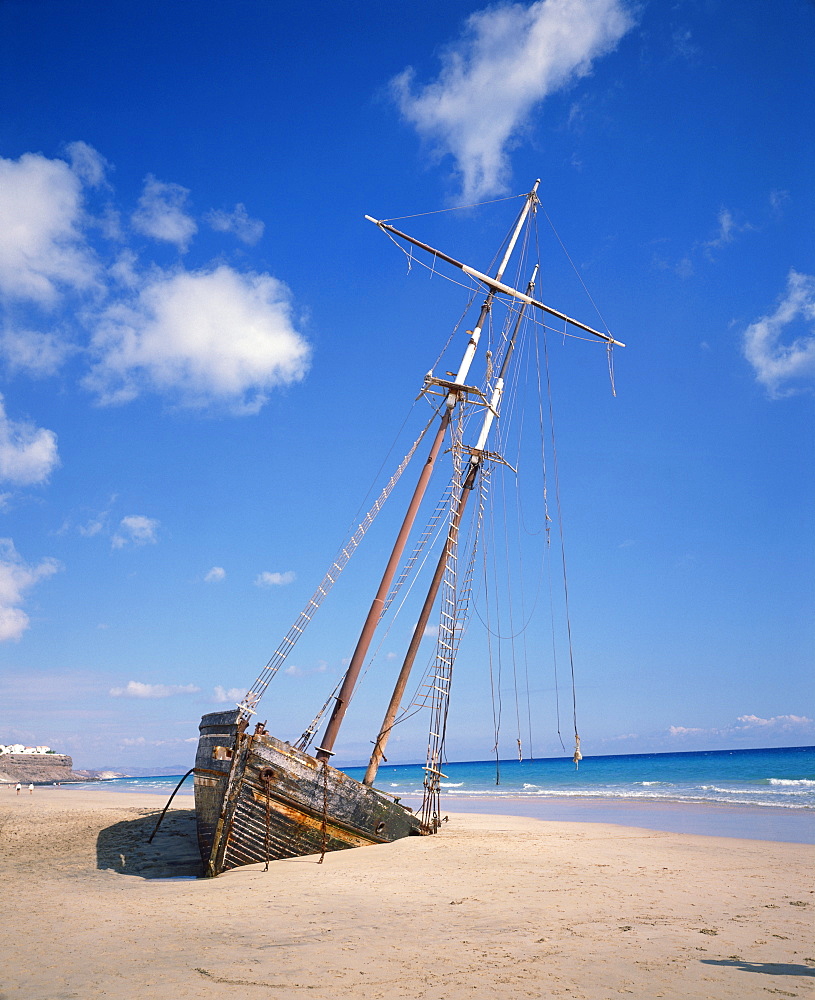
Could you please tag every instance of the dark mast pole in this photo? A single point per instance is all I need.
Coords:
(326, 748)
(452, 532)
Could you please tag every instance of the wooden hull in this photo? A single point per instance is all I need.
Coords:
(259, 799)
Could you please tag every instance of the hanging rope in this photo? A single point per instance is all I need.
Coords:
(495, 689)
(562, 545)
(547, 549)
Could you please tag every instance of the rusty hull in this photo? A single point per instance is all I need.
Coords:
(258, 798)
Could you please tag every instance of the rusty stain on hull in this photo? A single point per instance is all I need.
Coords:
(269, 801)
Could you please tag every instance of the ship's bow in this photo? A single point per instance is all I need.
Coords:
(216, 743)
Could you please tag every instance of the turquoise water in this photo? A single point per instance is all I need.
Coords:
(779, 778)
(783, 778)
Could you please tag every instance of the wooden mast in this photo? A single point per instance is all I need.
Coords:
(467, 487)
(326, 748)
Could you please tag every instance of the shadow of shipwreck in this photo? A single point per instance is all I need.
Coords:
(767, 968)
(124, 848)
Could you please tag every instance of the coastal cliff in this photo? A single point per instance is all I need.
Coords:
(40, 768)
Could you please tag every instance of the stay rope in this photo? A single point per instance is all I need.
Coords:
(248, 705)
(609, 345)
(454, 208)
(577, 754)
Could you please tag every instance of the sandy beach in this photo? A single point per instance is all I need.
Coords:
(495, 906)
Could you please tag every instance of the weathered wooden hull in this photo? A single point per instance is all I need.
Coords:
(259, 799)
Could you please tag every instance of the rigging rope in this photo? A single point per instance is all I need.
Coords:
(428, 537)
(547, 551)
(453, 208)
(248, 705)
(577, 754)
(495, 701)
(609, 345)
(454, 614)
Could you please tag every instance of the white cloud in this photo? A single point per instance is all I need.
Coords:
(683, 44)
(223, 695)
(124, 271)
(778, 199)
(294, 671)
(509, 59)
(16, 578)
(727, 231)
(777, 365)
(28, 454)
(135, 529)
(238, 223)
(42, 248)
(88, 165)
(161, 213)
(136, 689)
(776, 722)
(33, 353)
(215, 575)
(267, 579)
(94, 527)
(205, 337)
(747, 724)
(210, 339)
(141, 741)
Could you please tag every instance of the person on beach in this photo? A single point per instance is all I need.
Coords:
(31, 789)
(19, 787)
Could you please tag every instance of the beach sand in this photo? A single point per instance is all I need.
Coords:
(494, 906)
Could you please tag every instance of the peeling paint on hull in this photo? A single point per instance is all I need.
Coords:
(259, 799)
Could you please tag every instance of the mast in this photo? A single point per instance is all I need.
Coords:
(326, 749)
(476, 456)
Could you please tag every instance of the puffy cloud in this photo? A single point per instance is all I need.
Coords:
(215, 575)
(161, 213)
(267, 579)
(238, 223)
(16, 578)
(135, 529)
(205, 337)
(776, 364)
(215, 338)
(137, 689)
(223, 695)
(28, 454)
(510, 58)
(42, 248)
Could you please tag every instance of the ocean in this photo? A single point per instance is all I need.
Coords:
(784, 778)
(769, 793)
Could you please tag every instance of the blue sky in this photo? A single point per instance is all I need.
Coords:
(206, 352)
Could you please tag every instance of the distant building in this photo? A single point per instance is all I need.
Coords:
(19, 748)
